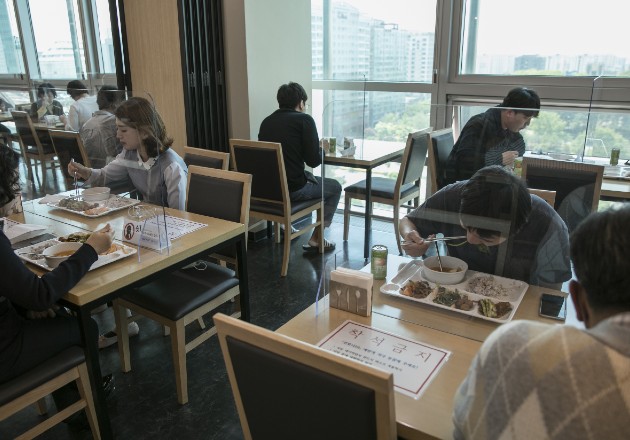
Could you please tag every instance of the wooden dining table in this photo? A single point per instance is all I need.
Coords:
(368, 155)
(430, 415)
(105, 283)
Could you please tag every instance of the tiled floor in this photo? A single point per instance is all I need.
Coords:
(144, 404)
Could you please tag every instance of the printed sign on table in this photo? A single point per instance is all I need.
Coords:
(413, 363)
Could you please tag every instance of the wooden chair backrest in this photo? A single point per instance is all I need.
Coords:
(441, 145)
(206, 158)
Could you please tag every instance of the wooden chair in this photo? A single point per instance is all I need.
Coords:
(285, 388)
(31, 145)
(34, 385)
(206, 158)
(577, 185)
(397, 192)
(189, 294)
(270, 193)
(441, 145)
(68, 145)
(547, 196)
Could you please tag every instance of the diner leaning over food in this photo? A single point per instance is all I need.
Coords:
(156, 171)
(33, 328)
(509, 232)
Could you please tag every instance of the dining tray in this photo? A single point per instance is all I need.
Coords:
(114, 203)
(500, 289)
(31, 254)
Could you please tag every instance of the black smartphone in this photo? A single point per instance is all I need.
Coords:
(553, 306)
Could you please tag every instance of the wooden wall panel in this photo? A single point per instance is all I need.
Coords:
(155, 59)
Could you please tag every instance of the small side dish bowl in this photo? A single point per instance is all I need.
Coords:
(454, 270)
(96, 194)
(54, 255)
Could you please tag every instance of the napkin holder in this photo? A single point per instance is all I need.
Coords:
(351, 290)
(149, 233)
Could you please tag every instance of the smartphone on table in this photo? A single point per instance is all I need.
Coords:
(553, 306)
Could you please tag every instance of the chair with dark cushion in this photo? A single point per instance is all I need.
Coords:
(36, 384)
(33, 148)
(206, 158)
(285, 388)
(270, 192)
(189, 294)
(399, 192)
(442, 142)
(69, 146)
(577, 185)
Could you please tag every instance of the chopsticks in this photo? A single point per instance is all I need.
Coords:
(436, 239)
(76, 186)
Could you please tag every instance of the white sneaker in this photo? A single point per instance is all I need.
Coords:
(110, 338)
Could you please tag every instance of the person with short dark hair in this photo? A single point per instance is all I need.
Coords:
(156, 171)
(295, 130)
(10, 195)
(508, 231)
(82, 108)
(99, 132)
(46, 104)
(538, 380)
(493, 137)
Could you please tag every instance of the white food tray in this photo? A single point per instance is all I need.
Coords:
(25, 253)
(114, 203)
(512, 291)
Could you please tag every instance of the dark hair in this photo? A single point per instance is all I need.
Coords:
(290, 95)
(495, 193)
(76, 88)
(45, 88)
(109, 97)
(140, 114)
(522, 100)
(9, 176)
(599, 252)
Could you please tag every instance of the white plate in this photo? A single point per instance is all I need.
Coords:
(27, 254)
(114, 203)
(509, 290)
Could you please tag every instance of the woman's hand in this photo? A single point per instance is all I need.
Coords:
(80, 170)
(414, 245)
(101, 240)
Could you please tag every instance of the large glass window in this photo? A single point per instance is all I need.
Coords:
(58, 38)
(105, 36)
(355, 40)
(11, 51)
(542, 37)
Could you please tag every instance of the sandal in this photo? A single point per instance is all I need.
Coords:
(328, 246)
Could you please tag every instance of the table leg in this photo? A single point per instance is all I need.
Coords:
(241, 258)
(368, 214)
(94, 371)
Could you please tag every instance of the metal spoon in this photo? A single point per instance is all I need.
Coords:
(437, 250)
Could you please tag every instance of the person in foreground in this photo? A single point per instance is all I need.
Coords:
(155, 170)
(295, 130)
(99, 132)
(492, 137)
(32, 328)
(537, 380)
(508, 232)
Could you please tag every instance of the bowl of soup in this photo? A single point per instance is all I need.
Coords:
(96, 194)
(54, 255)
(453, 270)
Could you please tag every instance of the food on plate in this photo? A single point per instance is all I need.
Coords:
(77, 237)
(76, 205)
(489, 308)
(445, 269)
(416, 289)
(464, 303)
(446, 297)
(96, 211)
(487, 286)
